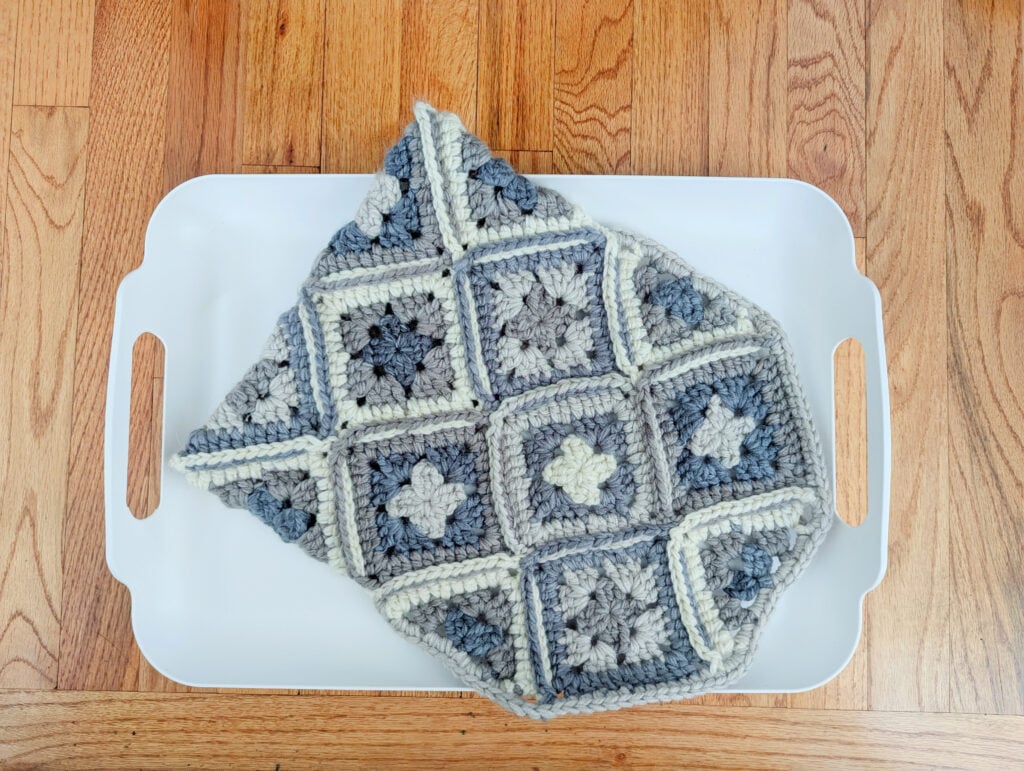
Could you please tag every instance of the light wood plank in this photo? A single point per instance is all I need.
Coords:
(8, 40)
(283, 82)
(43, 237)
(515, 98)
(826, 100)
(984, 50)
(438, 58)
(124, 182)
(907, 628)
(593, 75)
(204, 90)
(747, 101)
(343, 731)
(145, 426)
(54, 48)
(527, 161)
(362, 80)
(669, 104)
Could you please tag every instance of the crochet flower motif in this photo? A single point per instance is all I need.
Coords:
(721, 434)
(376, 207)
(427, 501)
(580, 471)
(752, 572)
(679, 298)
(612, 616)
(543, 320)
(397, 351)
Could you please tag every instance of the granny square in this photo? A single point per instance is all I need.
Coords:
(533, 312)
(570, 459)
(414, 495)
(605, 618)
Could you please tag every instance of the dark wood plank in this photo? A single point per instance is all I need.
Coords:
(669, 104)
(283, 82)
(204, 90)
(747, 103)
(515, 98)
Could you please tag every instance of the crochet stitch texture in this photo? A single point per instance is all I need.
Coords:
(563, 461)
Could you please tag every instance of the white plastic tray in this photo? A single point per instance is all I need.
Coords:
(219, 600)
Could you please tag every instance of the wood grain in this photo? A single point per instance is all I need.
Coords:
(54, 51)
(826, 100)
(517, 52)
(361, 84)
(80, 729)
(747, 104)
(123, 184)
(8, 40)
(593, 76)
(370, 86)
(907, 617)
(247, 169)
(527, 161)
(984, 107)
(42, 237)
(851, 423)
(669, 103)
(438, 60)
(204, 90)
(283, 82)
(145, 421)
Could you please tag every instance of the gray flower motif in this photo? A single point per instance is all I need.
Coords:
(611, 617)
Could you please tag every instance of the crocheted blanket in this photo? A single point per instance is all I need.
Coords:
(573, 468)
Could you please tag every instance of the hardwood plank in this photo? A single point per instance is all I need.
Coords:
(8, 42)
(214, 731)
(826, 100)
(527, 161)
(747, 98)
(438, 58)
(54, 49)
(204, 90)
(123, 184)
(907, 627)
(283, 82)
(593, 75)
(362, 79)
(515, 89)
(984, 116)
(376, 69)
(43, 237)
(669, 105)
(248, 169)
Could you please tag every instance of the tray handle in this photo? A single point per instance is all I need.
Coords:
(875, 527)
(123, 529)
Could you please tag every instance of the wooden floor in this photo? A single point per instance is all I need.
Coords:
(911, 114)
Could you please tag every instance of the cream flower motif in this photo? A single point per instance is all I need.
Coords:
(428, 500)
(580, 471)
(721, 433)
(510, 299)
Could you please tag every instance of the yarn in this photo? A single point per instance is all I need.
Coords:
(564, 462)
